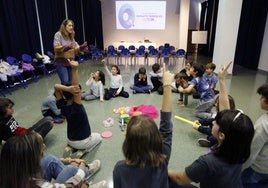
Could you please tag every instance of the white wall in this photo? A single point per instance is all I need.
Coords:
(226, 32)
(263, 62)
(169, 35)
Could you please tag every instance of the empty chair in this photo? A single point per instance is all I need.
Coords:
(15, 72)
(111, 47)
(180, 56)
(97, 54)
(140, 53)
(111, 53)
(132, 50)
(119, 53)
(142, 47)
(28, 68)
(151, 47)
(126, 54)
(152, 54)
(165, 55)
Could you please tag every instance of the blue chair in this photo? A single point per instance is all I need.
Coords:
(153, 53)
(132, 50)
(165, 54)
(97, 54)
(181, 54)
(17, 76)
(126, 54)
(151, 47)
(119, 53)
(111, 52)
(27, 61)
(140, 52)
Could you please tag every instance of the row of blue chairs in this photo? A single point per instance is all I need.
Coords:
(21, 71)
(159, 54)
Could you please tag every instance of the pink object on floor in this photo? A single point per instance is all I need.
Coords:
(106, 134)
(148, 110)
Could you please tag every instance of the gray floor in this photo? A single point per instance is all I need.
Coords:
(242, 86)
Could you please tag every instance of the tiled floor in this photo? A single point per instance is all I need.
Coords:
(242, 86)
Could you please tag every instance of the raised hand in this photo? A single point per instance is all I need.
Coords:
(223, 70)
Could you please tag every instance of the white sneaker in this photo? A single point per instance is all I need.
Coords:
(94, 167)
(101, 184)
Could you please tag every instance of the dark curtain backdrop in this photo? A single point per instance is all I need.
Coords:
(74, 13)
(93, 23)
(51, 14)
(19, 27)
(250, 33)
(208, 22)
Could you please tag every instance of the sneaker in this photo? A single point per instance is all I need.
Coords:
(101, 184)
(204, 142)
(78, 154)
(58, 120)
(67, 151)
(93, 168)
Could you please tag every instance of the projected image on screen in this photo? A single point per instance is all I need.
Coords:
(140, 14)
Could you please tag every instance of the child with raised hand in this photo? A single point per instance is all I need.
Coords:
(116, 82)
(147, 149)
(96, 82)
(79, 136)
(140, 82)
(221, 167)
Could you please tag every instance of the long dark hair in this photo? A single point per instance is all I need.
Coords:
(102, 77)
(238, 131)
(20, 161)
(143, 144)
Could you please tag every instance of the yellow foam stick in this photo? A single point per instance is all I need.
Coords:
(186, 120)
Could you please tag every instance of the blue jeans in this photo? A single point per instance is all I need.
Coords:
(141, 89)
(65, 74)
(251, 178)
(52, 167)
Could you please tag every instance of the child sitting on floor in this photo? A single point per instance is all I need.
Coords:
(156, 78)
(116, 83)
(50, 108)
(96, 82)
(211, 77)
(140, 82)
(180, 80)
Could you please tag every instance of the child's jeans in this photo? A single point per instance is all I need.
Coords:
(52, 167)
(251, 178)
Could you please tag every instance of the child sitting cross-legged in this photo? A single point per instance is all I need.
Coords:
(140, 82)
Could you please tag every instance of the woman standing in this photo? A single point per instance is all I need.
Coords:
(65, 47)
